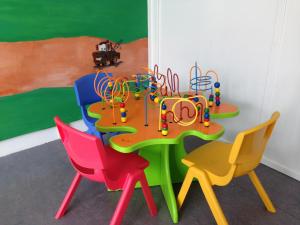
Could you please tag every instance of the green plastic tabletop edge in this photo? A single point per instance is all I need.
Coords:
(166, 141)
(224, 115)
(155, 141)
(91, 114)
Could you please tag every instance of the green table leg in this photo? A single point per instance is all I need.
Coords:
(165, 168)
(178, 169)
(153, 155)
(166, 183)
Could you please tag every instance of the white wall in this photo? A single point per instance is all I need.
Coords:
(255, 47)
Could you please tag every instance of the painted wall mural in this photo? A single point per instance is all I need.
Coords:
(46, 45)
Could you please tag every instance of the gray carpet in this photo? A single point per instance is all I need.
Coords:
(33, 183)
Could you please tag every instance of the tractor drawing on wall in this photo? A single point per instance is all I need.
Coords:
(106, 54)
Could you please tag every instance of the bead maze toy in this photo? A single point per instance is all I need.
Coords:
(115, 92)
(203, 83)
(167, 87)
(171, 83)
(163, 126)
(184, 109)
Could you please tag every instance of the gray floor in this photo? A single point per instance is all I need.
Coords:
(33, 183)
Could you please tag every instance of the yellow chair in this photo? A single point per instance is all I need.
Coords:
(217, 163)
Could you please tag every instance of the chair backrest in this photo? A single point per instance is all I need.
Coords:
(84, 89)
(249, 146)
(86, 152)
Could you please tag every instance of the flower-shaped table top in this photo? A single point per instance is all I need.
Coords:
(140, 135)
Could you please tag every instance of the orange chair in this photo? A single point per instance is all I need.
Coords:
(217, 163)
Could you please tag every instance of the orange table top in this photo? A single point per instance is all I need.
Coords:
(140, 135)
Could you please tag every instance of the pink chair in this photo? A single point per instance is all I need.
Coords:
(91, 159)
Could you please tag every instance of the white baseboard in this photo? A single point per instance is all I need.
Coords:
(33, 139)
(277, 166)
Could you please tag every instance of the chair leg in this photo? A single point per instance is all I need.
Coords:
(212, 199)
(68, 196)
(148, 196)
(124, 201)
(184, 188)
(261, 192)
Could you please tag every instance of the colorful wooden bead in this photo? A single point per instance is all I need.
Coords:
(217, 93)
(163, 112)
(137, 95)
(153, 88)
(206, 117)
(165, 125)
(152, 97)
(164, 132)
(196, 99)
(123, 112)
(164, 106)
(163, 116)
(217, 84)
(211, 100)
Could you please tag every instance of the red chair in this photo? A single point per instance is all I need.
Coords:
(91, 159)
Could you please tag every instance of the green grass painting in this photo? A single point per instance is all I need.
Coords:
(35, 110)
(29, 20)
(33, 20)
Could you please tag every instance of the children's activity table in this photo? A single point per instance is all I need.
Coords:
(163, 152)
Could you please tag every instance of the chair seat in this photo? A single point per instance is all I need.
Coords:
(121, 164)
(211, 158)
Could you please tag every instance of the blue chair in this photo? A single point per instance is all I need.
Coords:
(85, 95)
